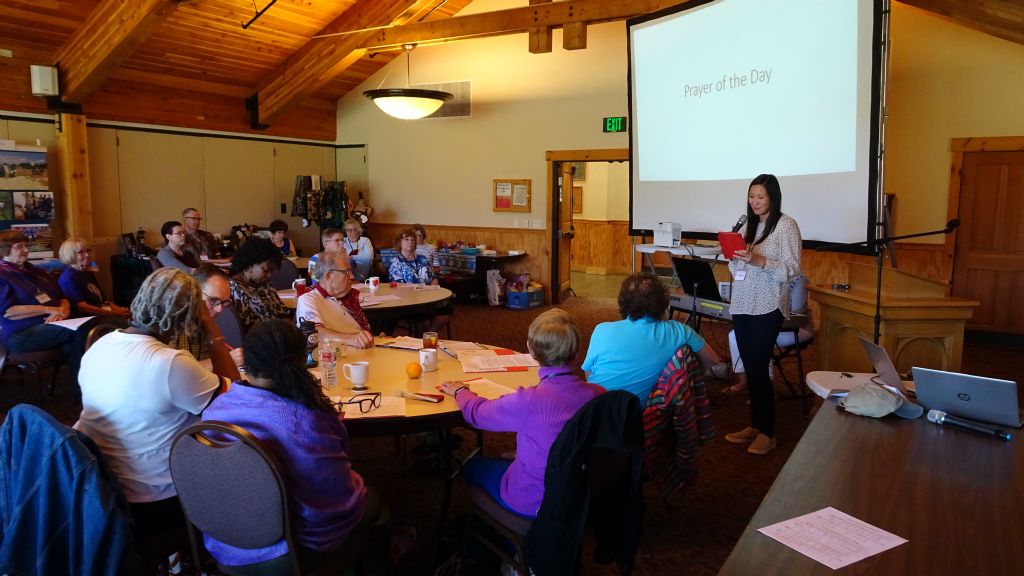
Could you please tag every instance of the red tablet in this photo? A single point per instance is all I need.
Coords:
(731, 242)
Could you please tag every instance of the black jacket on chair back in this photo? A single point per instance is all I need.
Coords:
(594, 474)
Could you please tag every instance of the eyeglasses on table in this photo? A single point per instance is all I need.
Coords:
(367, 401)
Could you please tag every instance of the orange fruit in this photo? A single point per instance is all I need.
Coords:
(413, 370)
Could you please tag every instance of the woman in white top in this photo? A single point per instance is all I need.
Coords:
(138, 392)
(760, 301)
(359, 249)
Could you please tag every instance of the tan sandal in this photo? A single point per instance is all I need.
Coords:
(735, 389)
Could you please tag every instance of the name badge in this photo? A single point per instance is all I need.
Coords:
(42, 297)
(739, 275)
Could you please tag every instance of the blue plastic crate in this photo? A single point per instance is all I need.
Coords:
(525, 300)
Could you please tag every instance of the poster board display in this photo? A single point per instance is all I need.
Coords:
(26, 202)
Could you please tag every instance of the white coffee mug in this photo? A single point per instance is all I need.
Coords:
(428, 359)
(373, 282)
(358, 373)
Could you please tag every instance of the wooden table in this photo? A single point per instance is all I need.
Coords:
(956, 496)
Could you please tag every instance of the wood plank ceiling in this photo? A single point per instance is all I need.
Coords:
(189, 63)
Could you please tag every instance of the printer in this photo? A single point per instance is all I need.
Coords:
(667, 234)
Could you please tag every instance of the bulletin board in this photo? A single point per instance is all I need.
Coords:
(512, 195)
(26, 202)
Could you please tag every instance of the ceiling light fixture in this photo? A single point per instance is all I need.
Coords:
(408, 103)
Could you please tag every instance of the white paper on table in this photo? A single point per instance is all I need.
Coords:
(406, 342)
(287, 295)
(491, 361)
(454, 345)
(390, 406)
(831, 537)
(377, 298)
(73, 323)
(489, 389)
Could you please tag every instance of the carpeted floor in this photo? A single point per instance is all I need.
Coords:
(695, 537)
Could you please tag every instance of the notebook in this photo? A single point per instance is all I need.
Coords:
(884, 367)
(967, 396)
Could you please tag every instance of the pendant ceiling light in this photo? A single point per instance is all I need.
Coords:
(408, 103)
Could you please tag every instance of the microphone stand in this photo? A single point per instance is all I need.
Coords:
(879, 244)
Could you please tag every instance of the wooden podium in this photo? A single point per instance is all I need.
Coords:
(921, 325)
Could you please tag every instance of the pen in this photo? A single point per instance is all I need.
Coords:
(446, 351)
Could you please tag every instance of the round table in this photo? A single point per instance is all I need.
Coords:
(387, 376)
(410, 298)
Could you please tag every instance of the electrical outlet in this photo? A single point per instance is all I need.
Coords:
(537, 223)
(4, 52)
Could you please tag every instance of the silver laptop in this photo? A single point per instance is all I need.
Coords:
(974, 397)
(884, 367)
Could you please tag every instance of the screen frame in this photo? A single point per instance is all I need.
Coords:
(876, 150)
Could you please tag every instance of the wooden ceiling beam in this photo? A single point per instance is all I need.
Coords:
(515, 20)
(322, 59)
(1001, 18)
(105, 40)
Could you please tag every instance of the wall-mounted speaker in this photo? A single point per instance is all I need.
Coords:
(44, 81)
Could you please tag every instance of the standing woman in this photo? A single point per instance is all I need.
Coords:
(760, 301)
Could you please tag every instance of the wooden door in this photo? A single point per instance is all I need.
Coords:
(565, 231)
(989, 257)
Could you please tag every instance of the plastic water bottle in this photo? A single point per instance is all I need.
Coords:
(329, 364)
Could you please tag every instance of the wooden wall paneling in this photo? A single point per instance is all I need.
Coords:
(160, 174)
(158, 105)
(537, 244)
(238, 183)
(291, 160)
(602, 246)
(106, 202)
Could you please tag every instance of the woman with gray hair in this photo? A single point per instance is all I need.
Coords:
(30, 301)
(79, 282)
(134, 411)
(537, 415)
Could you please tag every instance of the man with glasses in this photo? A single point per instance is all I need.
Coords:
(333, 305)
(216, 296)
(202, 243)
(332, 240)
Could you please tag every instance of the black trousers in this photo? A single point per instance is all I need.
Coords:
(755, 337)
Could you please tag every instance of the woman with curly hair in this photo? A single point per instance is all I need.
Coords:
(252, 295)
(283, 406)
(630, 354)
(138, 392)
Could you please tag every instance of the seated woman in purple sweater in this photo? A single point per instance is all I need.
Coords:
(537, 415)
(282, 405)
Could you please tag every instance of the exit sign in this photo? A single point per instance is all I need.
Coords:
(615, 124)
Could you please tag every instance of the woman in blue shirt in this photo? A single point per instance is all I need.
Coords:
(80, 284)
(408, 266)
(631, 353)
(412, 268)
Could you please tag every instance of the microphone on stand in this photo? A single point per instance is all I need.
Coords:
(740, 223)
(942, 419)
